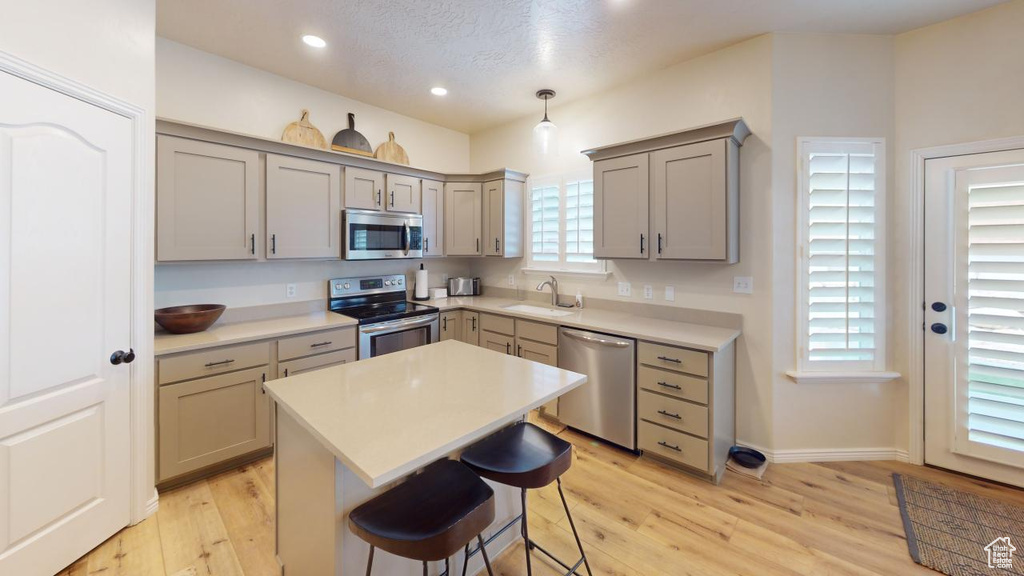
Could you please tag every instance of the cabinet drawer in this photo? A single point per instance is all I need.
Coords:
(673, 445)
(545, 333)
(499, 324)
(671, 358)
(673, 384)
(207, 421)
(674, 413)
(310, 363)
(315, 343)
(210, 362)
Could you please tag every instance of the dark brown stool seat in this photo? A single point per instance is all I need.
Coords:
(525, 456)
(429, 517)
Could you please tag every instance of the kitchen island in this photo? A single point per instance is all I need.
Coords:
(347, 433)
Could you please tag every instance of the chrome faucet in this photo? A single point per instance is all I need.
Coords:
(553, 284)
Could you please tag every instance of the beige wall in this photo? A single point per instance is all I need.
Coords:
(732, 82)
(202, 88)
(823, 85)
(957, 81)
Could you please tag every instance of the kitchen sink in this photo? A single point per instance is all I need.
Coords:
(538, 310)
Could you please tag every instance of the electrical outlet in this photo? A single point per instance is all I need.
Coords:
(625, 289)
(743, 284)
(670, 293)
(648, 292)
(511, 280)
(289, 291)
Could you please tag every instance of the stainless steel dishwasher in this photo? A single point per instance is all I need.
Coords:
(605, 406)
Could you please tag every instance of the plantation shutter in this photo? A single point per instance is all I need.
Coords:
(544, 214)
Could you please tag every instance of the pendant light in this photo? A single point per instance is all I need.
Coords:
(545, 134)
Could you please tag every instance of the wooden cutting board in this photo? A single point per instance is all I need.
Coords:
(304, 133)
(390, 151)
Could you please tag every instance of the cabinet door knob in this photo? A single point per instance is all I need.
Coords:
(939, 328)
(939, 306)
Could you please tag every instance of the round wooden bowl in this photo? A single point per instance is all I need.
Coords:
(188, 319)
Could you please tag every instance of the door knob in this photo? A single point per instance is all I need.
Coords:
(939, 306)
(121, 356)
(939, 328)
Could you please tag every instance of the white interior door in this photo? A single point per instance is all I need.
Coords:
(974, 314)
(65, 297)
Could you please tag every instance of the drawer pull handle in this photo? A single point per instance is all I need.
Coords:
(221, 363)
(670, 415)
(670, 447)
(667, 359)
(672, 386)
(319, 344)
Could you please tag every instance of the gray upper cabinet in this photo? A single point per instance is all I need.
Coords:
(403, 193)
(208, 199)
(684, 185)
(364, 189)
(303, 208)
(503, 218)
(463, 216)
(433, 218)
(621, 199)
(692, 196)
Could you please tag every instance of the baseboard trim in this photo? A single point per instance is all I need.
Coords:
(830, 454)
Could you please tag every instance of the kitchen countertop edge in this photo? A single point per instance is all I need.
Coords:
(165, 343)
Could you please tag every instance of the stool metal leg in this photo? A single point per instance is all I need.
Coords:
(465, 560)
(572, 525)
(526, 538)
(369, 563)
(425, 569)
(483, 552)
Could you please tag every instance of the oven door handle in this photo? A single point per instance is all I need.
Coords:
(395, 325)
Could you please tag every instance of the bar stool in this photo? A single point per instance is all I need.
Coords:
(525, 456)
(429, 517)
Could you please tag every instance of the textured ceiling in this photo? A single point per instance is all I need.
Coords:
(492, 55)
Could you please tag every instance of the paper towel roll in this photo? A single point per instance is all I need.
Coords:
(421, 290)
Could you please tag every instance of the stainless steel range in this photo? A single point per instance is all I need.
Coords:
(387, 322)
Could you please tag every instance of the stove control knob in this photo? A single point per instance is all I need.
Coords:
(387, 282)
(347, 285)
(399, 281)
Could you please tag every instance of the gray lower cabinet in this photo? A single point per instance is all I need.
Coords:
(686, 406)
(470, 328)
(207, 201)
(209, 420)
(526, 339)
(303, 207)
(497, 342)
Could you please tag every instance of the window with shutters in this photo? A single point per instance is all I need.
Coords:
(561, 225)
(841, 284)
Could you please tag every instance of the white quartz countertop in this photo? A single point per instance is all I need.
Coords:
(389, 416)
(221, 334)
(696, 336)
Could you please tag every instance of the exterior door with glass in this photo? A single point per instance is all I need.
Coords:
(974, 314)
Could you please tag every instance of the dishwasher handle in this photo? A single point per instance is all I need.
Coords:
(602, 341)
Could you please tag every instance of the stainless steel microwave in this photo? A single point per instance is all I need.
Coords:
(372, 235)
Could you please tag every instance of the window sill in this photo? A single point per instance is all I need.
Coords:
(578, 273)
(842, 377)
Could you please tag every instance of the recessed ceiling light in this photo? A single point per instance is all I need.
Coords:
(438, 91)
(314, 41)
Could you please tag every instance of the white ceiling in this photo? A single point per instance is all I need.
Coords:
(492, 55)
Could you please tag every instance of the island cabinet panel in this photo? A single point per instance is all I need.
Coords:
(208, 201)
(311, 363)
(463, 218)
(621, 204)
(207, 421)
(692, 196)
(303, 208)
(470, 328)
(686, 406)
(403, 194)
(433, 218)
(451, 325)
(364, 189)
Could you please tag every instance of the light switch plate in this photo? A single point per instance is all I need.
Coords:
(625, 289)
(743, 284)
(289, 291)
(670, 293)
(648, 292)
(511, 280)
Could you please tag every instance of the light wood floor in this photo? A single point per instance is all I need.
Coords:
(635, 517)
